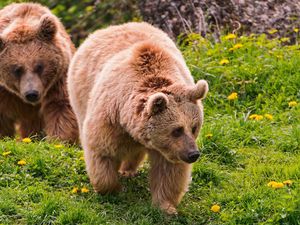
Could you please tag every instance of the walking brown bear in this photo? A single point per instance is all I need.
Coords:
(35, 52)
(133, 94)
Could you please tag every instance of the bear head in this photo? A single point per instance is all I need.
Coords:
(172, 120)
(30, 61)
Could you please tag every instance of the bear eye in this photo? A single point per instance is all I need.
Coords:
(39, 68)
(194, 129)
(17, 70)
(178, 132)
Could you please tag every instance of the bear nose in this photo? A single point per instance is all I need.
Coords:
(193, 156)
(32, 96)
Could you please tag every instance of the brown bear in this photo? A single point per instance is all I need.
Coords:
(133, 94)
(35, 52)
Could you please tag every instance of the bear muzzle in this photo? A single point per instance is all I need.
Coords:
(191, 156)
(32, 96)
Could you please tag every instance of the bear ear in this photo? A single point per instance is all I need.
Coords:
(157, 103)
(199, 91)
(47, 28)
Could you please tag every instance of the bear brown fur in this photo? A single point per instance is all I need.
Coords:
(35, 52)
(133, 94)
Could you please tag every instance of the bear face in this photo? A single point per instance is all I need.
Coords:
(172, 123)
(30, 61)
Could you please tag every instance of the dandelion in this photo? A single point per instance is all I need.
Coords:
(236, 46)
(75, 190)
(278, 185)
(209, 135)
(293, 103)
(275, 185)
(215, 208)
(296, 30)
(224, 62)
(26, 140)
(287, 182)
(81, 158)
(259, 117)
(58, 146)
(273, 31)
(271, 183)
(84, 190)
(22, 162)
(256, 117)
(6, 153)
(230, 36)
(268, 116)
(232, 96)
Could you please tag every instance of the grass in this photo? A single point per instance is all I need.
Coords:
(240, 156)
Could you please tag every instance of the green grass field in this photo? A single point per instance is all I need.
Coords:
(248, 140)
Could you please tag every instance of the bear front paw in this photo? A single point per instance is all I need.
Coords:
(168, 208)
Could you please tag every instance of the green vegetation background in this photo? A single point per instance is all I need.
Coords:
(240, 156)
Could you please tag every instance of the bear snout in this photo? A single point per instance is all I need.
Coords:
(190, 156)
(32, 96)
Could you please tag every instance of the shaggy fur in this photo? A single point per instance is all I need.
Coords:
(35, 52)
(133, 94)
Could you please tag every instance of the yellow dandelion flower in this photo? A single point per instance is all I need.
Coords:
(231, 49)
(75, 190)
(232, 96)
(268, 116)
(237, 46)
(256, 117)
(275, 185)
(22, 162)
(209, 135)
(224, 62)
(278, 185)
(230, 36)
(287, 182)
(26, 140)
(259, 117)
(293, 103)
(81, 158)
(84, 190)
(296, 30)
(6, 153)
(215, 208)
(58, 146)
(272, 31)
(271, 183)
(252, 117)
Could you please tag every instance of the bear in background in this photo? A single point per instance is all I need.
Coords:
(133, 94)
(35, 52)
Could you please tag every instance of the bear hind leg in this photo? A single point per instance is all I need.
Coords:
(130, 165)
